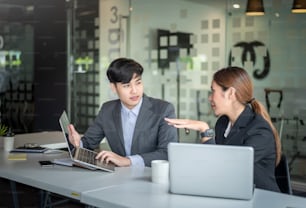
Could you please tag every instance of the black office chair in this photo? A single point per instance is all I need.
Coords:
(282, 175)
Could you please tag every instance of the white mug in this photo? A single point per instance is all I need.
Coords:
(160, 171)
(8, 143)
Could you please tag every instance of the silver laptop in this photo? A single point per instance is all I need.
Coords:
(81, 156)
(211, 170)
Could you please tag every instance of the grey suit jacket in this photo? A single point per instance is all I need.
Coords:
(151, 135)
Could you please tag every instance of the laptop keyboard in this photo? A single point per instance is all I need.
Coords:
(86, 155)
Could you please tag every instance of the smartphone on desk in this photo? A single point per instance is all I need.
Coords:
(46, 163)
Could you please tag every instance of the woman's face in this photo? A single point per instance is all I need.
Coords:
(218, 99)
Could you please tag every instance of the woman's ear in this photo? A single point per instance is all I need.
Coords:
(232, 93)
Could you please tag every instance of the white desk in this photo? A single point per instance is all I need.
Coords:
(271, 199)
(126, 187)
(66, 181)
(140, 192)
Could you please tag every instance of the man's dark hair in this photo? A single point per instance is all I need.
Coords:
(122, 70)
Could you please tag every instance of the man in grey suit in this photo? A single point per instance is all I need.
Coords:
(133, 125)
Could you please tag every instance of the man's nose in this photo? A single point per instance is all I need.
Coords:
(133, 89)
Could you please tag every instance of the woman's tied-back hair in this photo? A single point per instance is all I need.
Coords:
(239, 79)
(122, 70)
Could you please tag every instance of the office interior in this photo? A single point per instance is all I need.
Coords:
(54, 55)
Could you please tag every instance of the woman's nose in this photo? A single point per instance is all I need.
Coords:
(209, 97)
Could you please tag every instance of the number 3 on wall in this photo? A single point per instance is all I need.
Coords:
(114, 10)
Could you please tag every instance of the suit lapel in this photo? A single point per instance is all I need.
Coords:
(142, 121)
(237, 132)
(117, 120)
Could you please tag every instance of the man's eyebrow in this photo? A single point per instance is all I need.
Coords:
(138, 78)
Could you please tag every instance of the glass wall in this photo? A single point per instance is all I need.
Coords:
(180, 43)
(83, 61)
(16, 66)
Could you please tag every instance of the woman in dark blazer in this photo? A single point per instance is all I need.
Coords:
(242, 121)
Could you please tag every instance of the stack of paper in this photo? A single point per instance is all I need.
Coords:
(37, 149)
(55, 145)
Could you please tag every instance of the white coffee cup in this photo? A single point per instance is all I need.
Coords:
(8, 143)
(160, 171)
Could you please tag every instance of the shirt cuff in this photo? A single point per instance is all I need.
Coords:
(136, 161)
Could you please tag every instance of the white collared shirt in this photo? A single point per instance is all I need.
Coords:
(128, 119)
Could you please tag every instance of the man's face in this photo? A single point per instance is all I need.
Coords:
(129, 93)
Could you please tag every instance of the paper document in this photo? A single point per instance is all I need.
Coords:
(55, 145)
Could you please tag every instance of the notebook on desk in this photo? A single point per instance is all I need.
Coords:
(81, 156)
(25, 149)
(211, 170)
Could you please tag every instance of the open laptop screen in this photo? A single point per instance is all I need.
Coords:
(82, 156)
(64, 122)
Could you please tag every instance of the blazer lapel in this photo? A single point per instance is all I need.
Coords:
(237, 132)
(142, 120)
(117, 120)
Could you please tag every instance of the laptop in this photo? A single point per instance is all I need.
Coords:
(224, 171)
(81, 156)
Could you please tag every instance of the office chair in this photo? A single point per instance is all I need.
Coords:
(282, 175)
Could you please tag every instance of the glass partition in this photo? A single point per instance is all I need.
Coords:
(180, 44)
(16, 66)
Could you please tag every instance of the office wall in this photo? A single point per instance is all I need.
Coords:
(50, 75)
(282, 34)
(187, 75)
(216, 29)
(33, 56)
(277, 41)
(180, 43)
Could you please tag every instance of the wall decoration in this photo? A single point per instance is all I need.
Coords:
(255, 52)
(169, 45)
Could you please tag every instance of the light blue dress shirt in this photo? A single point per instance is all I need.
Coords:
(128, 119)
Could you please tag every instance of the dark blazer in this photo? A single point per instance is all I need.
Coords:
(151, 135)
(251, 129)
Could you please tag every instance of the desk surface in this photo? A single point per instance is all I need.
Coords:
(67, 181)
(126, 187)
(141, 192)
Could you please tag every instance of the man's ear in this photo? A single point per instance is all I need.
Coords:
(113, 87)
